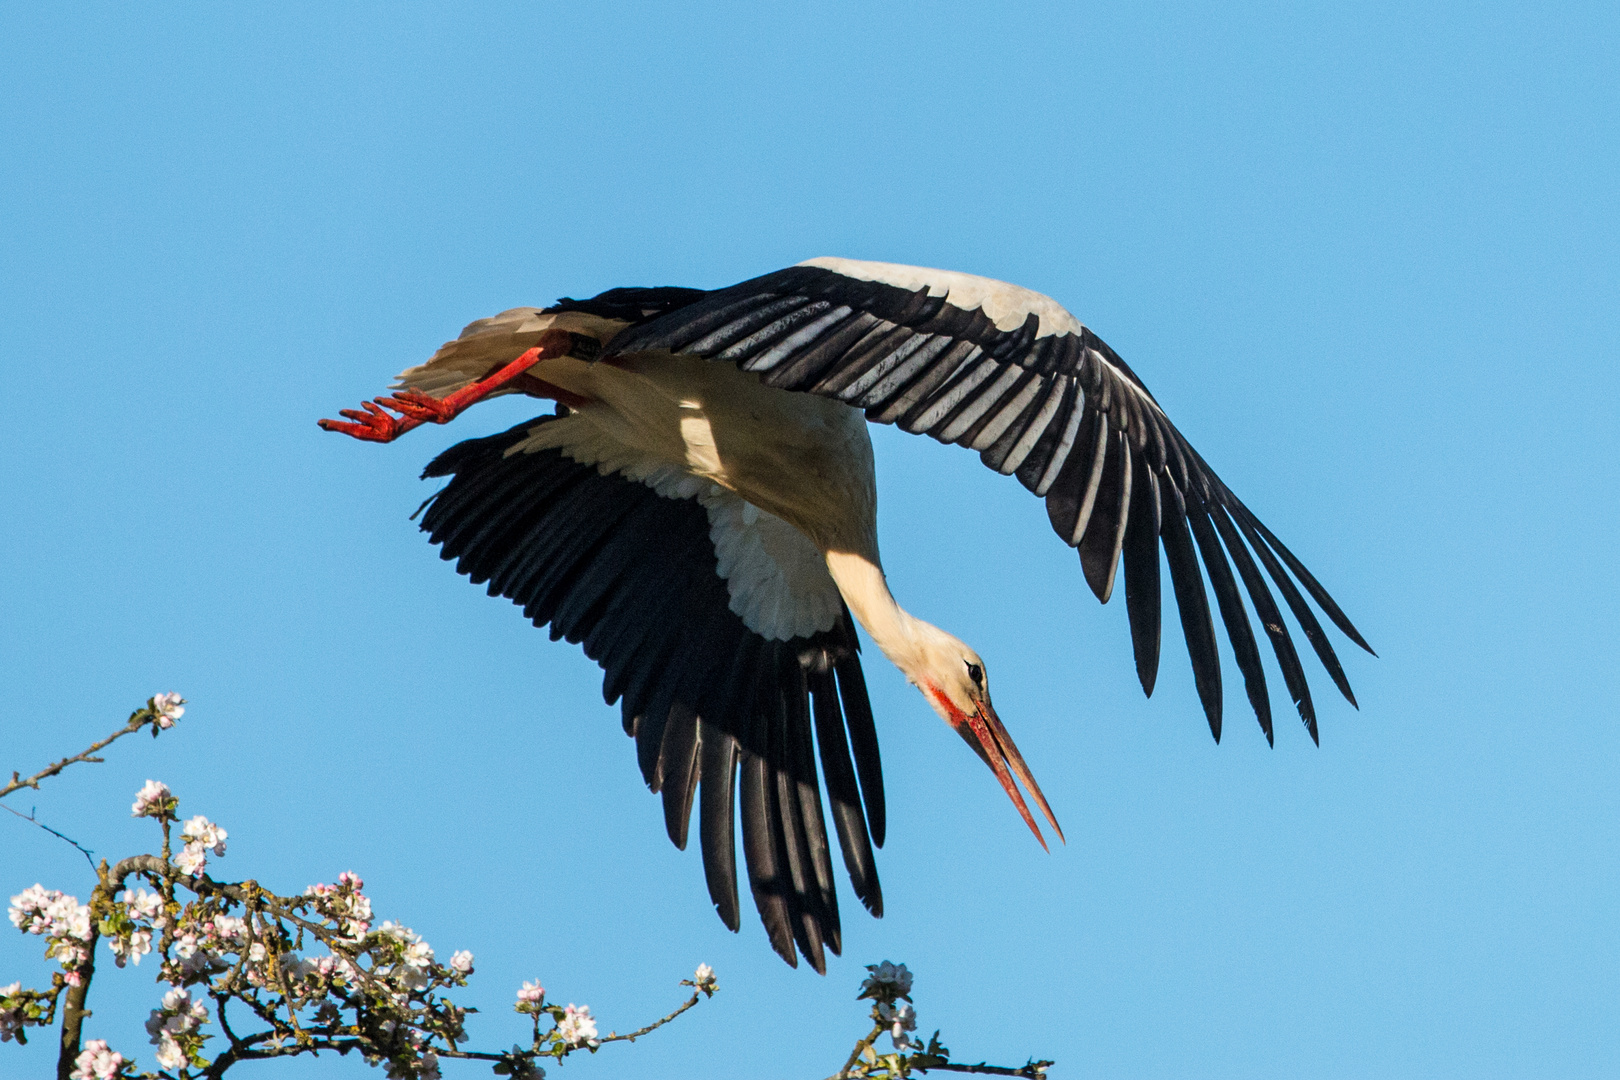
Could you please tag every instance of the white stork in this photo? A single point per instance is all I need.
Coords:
(700, 514)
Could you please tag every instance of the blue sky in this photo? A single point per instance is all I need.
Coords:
(1367, 260)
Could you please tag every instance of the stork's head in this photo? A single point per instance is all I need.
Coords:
(954, 680)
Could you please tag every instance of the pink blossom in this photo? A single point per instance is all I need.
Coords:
(462, 961)
(169, 708)
(154, 800)
(532, 993)
(97, 1062)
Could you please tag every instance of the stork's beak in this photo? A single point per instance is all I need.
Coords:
(983, 730)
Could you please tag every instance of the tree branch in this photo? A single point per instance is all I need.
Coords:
(73, 1010)
(139, 719)
(1035, 1070)
(654, 1026)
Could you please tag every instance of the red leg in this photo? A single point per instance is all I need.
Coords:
(416, 408)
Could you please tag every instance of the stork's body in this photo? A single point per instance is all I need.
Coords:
(742, 415)
(805, 460)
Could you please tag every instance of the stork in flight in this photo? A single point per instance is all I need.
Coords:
(700, 514)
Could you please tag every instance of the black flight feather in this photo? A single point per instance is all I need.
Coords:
(914, 357)
(632, 575)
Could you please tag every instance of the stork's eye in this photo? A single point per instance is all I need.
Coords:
(976, 673)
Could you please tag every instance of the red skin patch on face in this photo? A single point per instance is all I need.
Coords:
(956, 717)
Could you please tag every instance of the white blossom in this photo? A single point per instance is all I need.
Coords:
(38, 910)
(62, 920)
(131, 948)
(887, 981)
(191, 860)
(145, 905)
(577, 1028)
(532, 993)
(178, 1016)
(343, 904)
(199, 830)
(704, 979)
(27, 908)
(899, 1019)
(462, 961)
(169, 1054)
(153, 800)
(180, 1013)
(97, 1062)
(418, 953)
(71, 917)
(169, 708)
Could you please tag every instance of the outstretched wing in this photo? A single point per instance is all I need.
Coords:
(734, 663)
(1009, 373)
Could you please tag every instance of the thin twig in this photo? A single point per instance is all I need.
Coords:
(1033, 1071)
(29, 817)
(654, 1026)
(141, 718)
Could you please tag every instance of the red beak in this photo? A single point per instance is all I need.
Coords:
(983, 731)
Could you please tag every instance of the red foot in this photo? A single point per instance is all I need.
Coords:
(373, 425)
(416, 408)
(420, 407)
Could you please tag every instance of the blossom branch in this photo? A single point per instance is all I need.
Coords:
(379, 990)
(887, 986)
(160, 711)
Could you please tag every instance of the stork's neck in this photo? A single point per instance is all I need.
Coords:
(860, 580)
